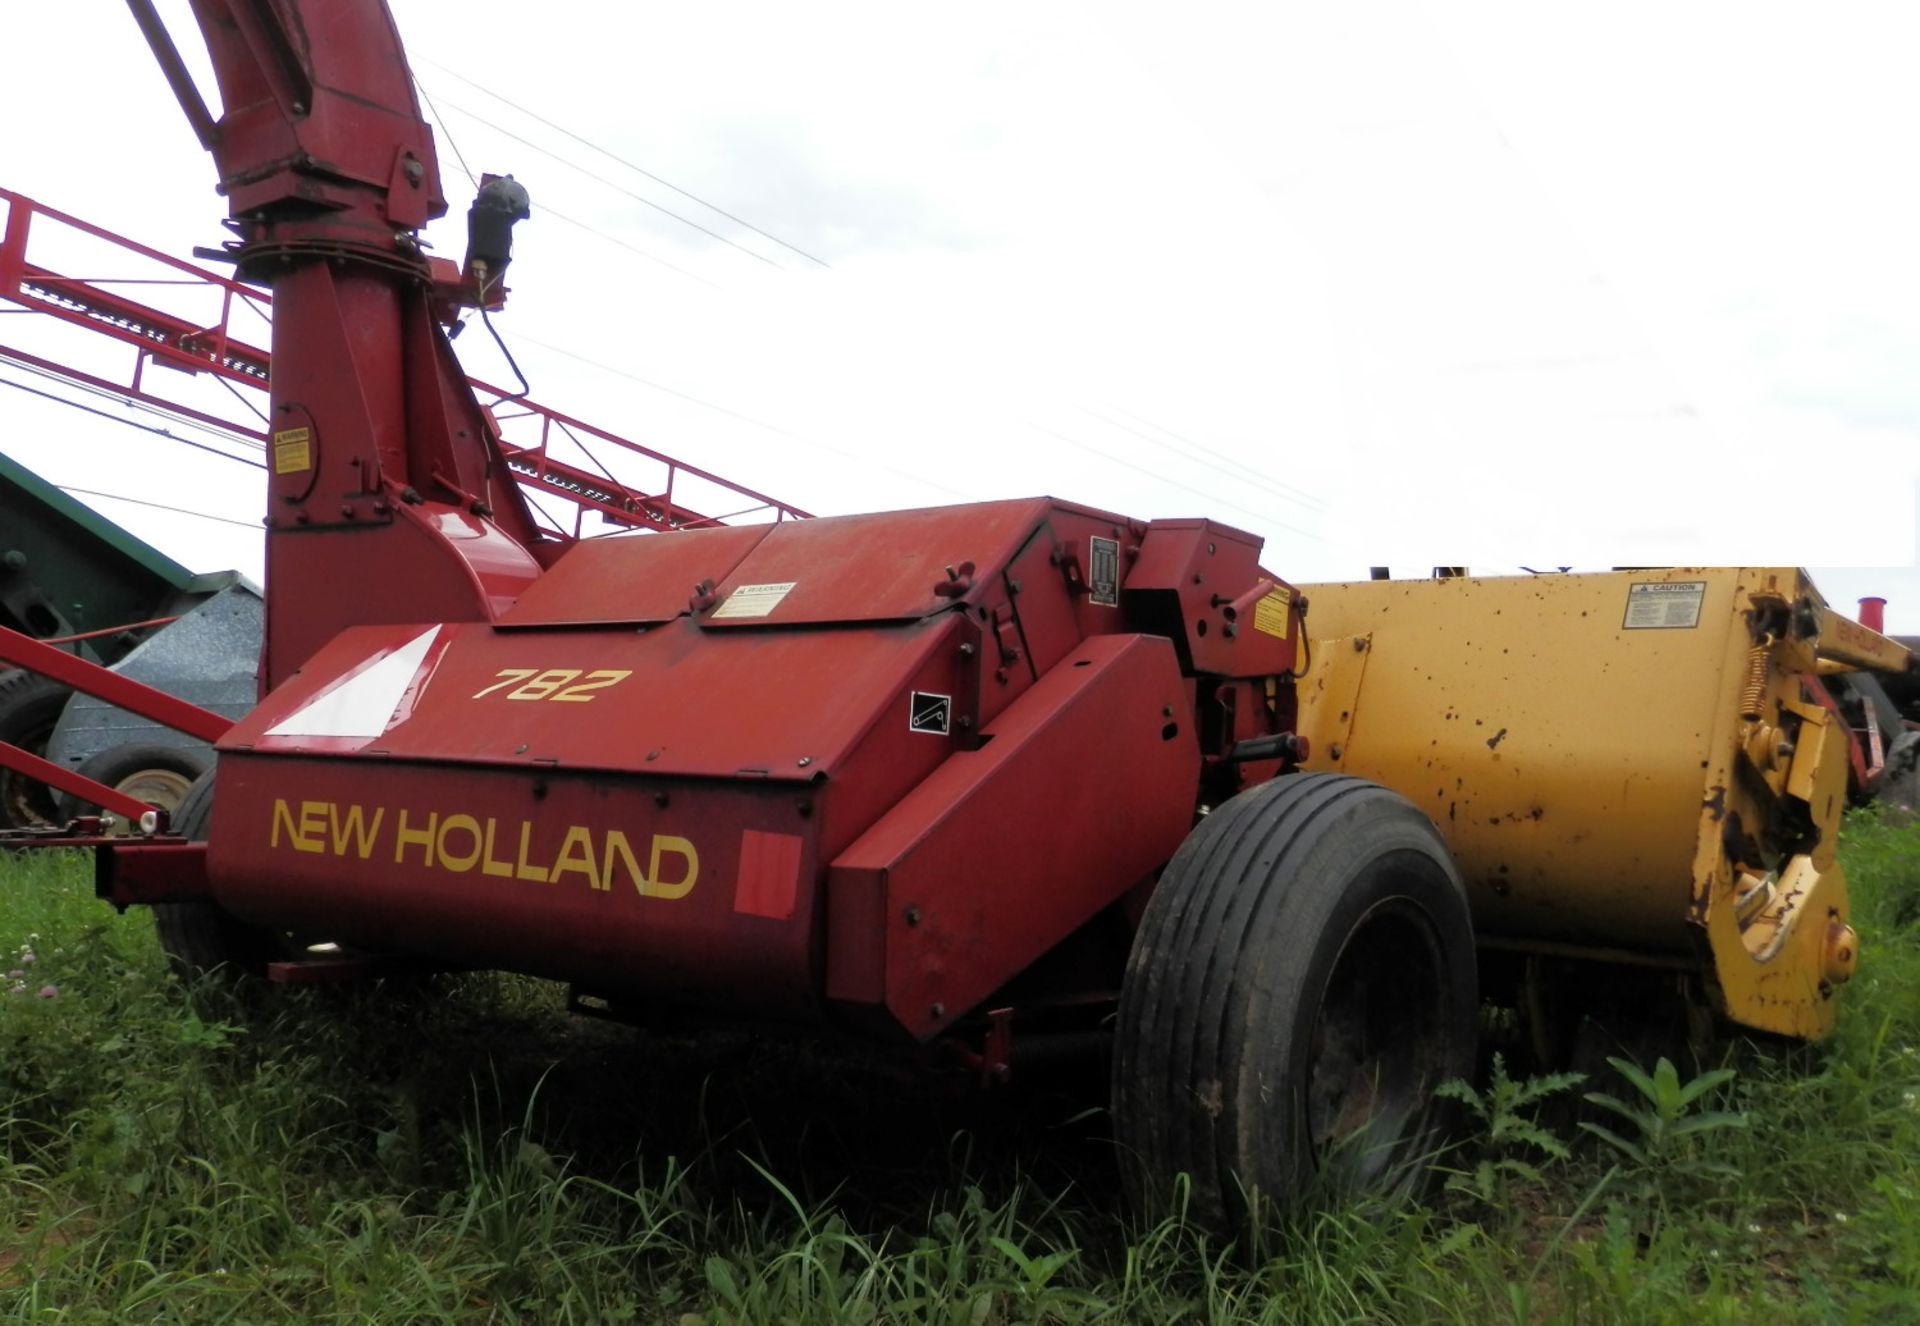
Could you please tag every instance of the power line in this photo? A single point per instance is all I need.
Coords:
(749, 419)
(157, 506)
(1280, 489)
(130, 423)
(657, 386)
(545, 210)
(1234, 468)
(230, 430)
(637, 169)
(618, 188)
(1264, 517)
(458, 155)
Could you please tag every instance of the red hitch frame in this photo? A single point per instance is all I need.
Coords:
(102, 684)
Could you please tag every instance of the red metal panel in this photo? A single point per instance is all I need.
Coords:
(631, 581)
(499, 566)
(1076, 528)
(1043, 603)
(457, 567)
(796, 740)
(1052, 611)
(769, 880)
(126, 874)
(1197, 579)
(777, 705)
(1085, 788)
(878, 567)
(857, 925)
(622, 884)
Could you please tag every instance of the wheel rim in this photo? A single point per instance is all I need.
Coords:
(1380, 1044)
(160, 787)
(164, 788)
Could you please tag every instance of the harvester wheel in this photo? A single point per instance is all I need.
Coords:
(1302, 979)
(30, 706)
(158, 775)
(198, 937)
(1900, 785)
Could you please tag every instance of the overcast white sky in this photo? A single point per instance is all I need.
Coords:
(1489, 283)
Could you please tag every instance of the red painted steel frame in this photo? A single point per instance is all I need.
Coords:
(66, 780)
(92, 679)
(125, 874)
(78, 636)
(165, 339)
(102, 684)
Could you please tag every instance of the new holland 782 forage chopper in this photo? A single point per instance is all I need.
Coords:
(974, 773)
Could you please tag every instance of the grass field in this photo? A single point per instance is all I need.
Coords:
(465, 1152)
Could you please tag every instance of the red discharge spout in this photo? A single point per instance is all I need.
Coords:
(1873, 614)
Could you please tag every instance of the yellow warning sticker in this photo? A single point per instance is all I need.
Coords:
(1270, 613)
(292, 451)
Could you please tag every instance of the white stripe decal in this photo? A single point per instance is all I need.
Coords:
(364, 704)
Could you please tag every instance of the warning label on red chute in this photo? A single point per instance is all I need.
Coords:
(1270, 612)
(1103, 572)
(1664, 606)
(753, 600)
(292, 450)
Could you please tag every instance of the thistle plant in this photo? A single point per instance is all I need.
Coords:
(1512, 1144)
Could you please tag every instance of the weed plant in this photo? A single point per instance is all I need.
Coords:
(463, 1151)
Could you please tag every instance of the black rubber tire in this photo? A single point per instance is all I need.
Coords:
(1312, 905)
(199, 938)
(1900, 783)
(120, 764)
(30, 705)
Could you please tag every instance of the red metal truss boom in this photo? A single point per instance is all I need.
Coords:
(164, 339)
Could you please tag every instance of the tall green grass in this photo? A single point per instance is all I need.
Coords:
(464, 1152)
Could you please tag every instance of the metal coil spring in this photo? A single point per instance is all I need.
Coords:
(1754, 694)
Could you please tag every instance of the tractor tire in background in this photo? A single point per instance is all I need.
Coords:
(199, 938)
(1900, 784)
(161, 776)
(30, 706)
(1302, 980)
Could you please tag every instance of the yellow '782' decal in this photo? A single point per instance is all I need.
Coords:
(554, 683)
